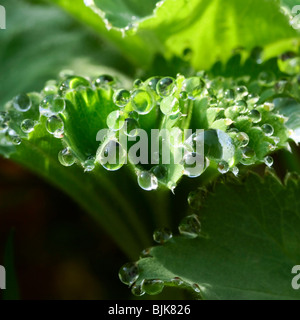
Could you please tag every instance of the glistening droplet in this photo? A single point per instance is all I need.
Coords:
(223, 167)
(255, 116)
(166, 86)
(190, 226)
(121, 97)
(27, 125)
(147, 180)
(89, 164)
(55, 126)
(153, 286)
(66, 157)
(268, 160)
(22, 102)
(111, 155)
(137, 290)
(162, 235)
(129, 273)
(142, 101)
(267, 129)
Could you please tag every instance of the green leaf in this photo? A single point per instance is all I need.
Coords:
(121, 14)
(183, 29)
(248, 245)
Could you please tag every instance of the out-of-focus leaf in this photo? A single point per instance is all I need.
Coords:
(40, 41)
(200, 31)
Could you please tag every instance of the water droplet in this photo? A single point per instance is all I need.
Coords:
(268, 160)
(50, 88)
(137, 290)
(160, 171)
(194, 164)
(13, 137)
(268, 106)
(266, 78)
(3, 126)
(252, 98)
(57, 105)
(89, 164)
(229, 95)
(223, 167)
(147, 180)
(121, 97)
(183, 95)
(22, 102)
(166, 86)
(137, 83)
(196, 198)
(177, 281)
(131, 127)
(196, 288)
(55, 126)
(242, 139)
(235, 171)
(134, 115)
(169, 105)
(129, 273)
(146, 253)
(152, 83)
(190, 226)
(115, 120)
(162, 235)
(4, 119)
(73, 82)
(111, 155)
(52, 105)
(241, 92)
(255, 116)
(193, 86)
(267, 129)
(44, 106)
(27, 125)
(66, 157)
(142, 101)
(248, 152)
(153, 286)
(104, 80)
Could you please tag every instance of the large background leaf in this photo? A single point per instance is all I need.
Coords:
(251, 246)
(201, 31)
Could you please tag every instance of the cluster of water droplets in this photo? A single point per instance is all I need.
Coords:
(131, 275)
(240, 127)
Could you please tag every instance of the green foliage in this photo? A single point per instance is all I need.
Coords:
(246, 102)
(248, 243)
